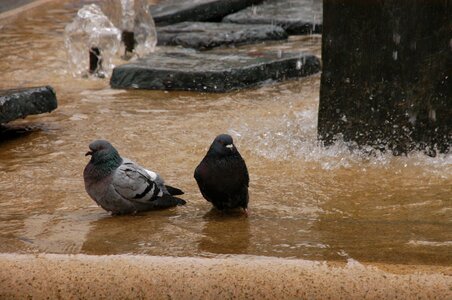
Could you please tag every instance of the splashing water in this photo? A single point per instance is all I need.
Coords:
(90, 29)
(133, 16)
(294, 136)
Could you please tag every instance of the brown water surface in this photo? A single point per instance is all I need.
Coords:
(306, 201)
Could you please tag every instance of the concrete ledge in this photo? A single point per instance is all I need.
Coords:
(131, 277)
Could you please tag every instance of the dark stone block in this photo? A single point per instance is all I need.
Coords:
(386, 78)
(209, 72)
(175, 11)
(19, 103)
(202, 35)
(295, 16)
(6, 5)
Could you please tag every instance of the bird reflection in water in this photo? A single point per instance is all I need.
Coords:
(125, 234)
(225, 233)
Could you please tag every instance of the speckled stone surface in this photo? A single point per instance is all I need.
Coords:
(19, 103)
(211, 72)
(295, 16)
(206, 35)
(174, 11)
(137, 277)
(11, 4)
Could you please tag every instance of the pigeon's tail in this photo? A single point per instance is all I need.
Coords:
(180, 201)
(174, 191)
(168, 201)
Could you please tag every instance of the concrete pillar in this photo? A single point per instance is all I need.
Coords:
(386, 79)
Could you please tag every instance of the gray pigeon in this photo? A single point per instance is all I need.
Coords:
(120, 186)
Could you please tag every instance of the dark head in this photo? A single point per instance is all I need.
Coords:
(223, 145)
(102, 152)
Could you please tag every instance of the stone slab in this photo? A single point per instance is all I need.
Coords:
(206, 35)
(10, 8)
(211, 72)
(6, 5)
(175, 11)
(19, 103)
(295, 16)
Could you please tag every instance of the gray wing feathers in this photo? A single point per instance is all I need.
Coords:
(136, 184)
(158, 181)
(161, 184)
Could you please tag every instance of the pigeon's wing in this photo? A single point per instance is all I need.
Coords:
(197, 175)
(245, 171)
(166, 189)
(135, 183)
(201, 172)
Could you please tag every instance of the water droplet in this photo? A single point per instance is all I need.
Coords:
(394, 55)
(396, 38)
(432, 114)
(298, 67)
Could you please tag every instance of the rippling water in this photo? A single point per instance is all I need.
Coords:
(306, 201)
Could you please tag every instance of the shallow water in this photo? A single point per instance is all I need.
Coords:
(306, 201)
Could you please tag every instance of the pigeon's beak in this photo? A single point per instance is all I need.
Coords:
(88, 153)
(230, 146)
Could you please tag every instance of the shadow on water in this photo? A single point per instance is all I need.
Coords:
(372, 240)
(15, 132)
(225, 232)
(157, 232)
(122, 234)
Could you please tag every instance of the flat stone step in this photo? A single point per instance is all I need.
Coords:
(6, 5)
(19, 103)
(295, 16)
(211, 72)
(175, 11)
(206, 35)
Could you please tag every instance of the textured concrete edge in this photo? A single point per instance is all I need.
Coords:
(20, 9)
(126, 276)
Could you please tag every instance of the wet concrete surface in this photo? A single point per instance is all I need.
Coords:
(128, 277)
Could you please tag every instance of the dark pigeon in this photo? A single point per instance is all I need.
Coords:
(120, 186)
(222, 175)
